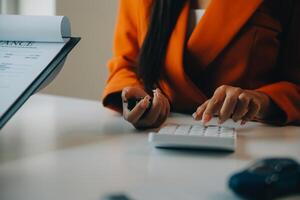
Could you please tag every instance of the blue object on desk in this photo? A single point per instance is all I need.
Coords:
(267, 179)
(117, 196)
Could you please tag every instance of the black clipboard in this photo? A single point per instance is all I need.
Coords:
(46, 74)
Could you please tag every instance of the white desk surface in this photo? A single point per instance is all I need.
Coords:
(59, 148)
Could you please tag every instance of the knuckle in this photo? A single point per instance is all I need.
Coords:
(214, 101)
(126, 88)
(224, 114)
(223, 87)
(235, 91)
(238, 90)
(243, 96)
(231, 98)
(220, 89)
(258, 108)
(255, 105)
(199, 109)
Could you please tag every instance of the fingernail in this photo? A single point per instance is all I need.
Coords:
(206, 118)
(125, 96)
(195, 115)
(145, 102)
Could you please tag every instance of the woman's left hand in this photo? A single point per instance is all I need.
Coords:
(236, 103)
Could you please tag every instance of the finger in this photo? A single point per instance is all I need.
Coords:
(155, 110)
(166, 100)
(132, 92)
(124, 94)
(228, 107)
(163, 116)
(168, 107)
(213, 107)
(241, 108)
(136, 113)
(164, 110)
(163, 100)
(200, 110)
(160, 120)
(253, 110)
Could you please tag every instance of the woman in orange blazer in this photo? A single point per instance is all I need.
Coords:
(241, 61)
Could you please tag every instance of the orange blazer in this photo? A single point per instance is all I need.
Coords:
(252, 44)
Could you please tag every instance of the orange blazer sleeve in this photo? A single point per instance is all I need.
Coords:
(286, 92)
(122, 66)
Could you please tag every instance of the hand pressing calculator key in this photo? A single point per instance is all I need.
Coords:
(195, 137)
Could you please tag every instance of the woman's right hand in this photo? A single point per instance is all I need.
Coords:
(157, 114)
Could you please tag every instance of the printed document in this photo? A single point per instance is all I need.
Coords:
(27, 45)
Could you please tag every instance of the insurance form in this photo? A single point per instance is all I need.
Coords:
(27, 46)
(20, 64)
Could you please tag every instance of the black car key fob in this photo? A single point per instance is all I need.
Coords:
(132, 102)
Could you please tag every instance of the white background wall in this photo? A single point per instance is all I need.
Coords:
(85, 72)
(37, 7)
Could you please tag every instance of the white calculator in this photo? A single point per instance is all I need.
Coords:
(195, 136)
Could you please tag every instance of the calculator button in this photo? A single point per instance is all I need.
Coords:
(183, 130)
(198, 127)
(224, 129)
(212, 131)
(168, 130)
(197, 130)
(227, 132)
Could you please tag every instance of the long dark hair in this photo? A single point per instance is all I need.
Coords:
(163, 18)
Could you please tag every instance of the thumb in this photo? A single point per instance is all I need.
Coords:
(133, 92)
(124, 94)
